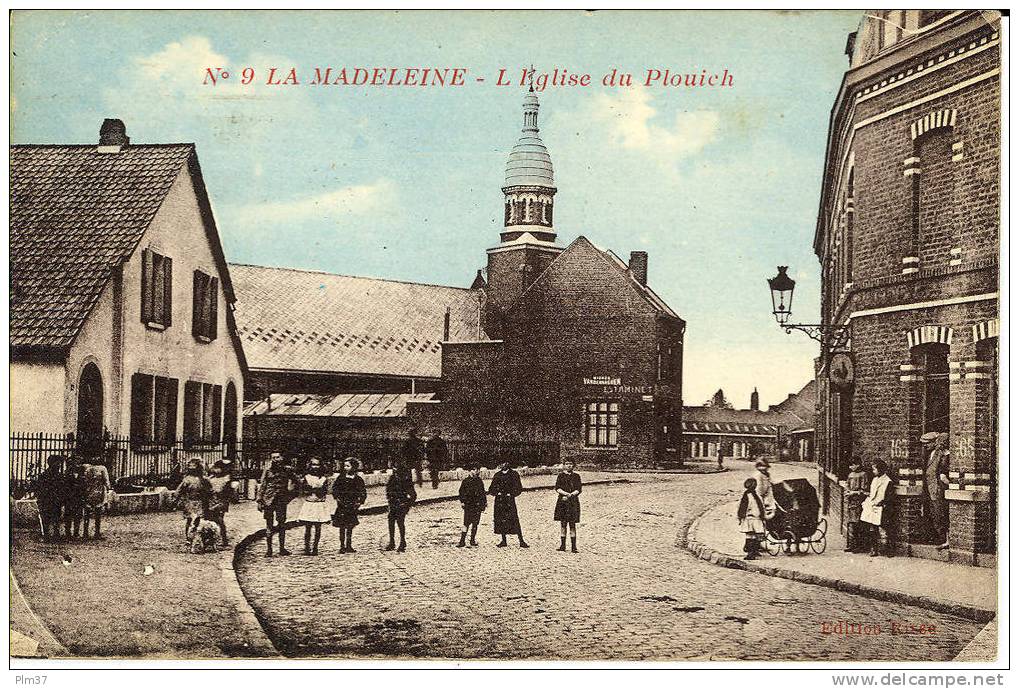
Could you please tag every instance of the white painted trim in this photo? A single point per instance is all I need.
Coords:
(927, 99)
(460, 342)
(510, 247)
(923, 305)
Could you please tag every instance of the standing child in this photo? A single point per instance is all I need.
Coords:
(97, 495)
(49, 496)
(74, 500)
(567, 506)
(857, 488)
(750, 514)
(220, 494)
(314, 510)
(400, 495)
(350, 493)
(193, 494)
(474, 501)
(506, 486)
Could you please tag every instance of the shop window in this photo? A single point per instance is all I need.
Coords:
(157, 289)
(204, 306)
(153, 409)
(202, 412)
(601, 424)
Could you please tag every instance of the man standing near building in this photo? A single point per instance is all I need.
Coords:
(413, 454)
(935, 481)
(438, 457)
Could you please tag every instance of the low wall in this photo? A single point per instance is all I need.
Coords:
(26, 512)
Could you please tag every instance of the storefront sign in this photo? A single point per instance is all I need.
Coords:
(628, 389)
(602, 380)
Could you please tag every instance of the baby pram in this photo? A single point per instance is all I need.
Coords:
(795, 526)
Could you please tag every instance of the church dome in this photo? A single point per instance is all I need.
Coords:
(529, 163)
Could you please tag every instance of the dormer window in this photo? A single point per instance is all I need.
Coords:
(204, 311)
(157, 290)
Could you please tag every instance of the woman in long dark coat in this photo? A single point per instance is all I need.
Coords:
(350, 494)
(506, 486)
(567, 507)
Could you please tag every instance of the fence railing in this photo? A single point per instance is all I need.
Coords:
(133, 465)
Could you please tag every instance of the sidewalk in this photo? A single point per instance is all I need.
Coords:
(140, 593)
(961, 590)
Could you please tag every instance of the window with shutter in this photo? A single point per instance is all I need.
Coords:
(205, 298)
(153, 409)
(157, 290)
(192, 412)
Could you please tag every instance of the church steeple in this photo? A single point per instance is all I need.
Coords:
(530, 186)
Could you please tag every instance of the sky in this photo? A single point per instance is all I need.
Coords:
(718, 185)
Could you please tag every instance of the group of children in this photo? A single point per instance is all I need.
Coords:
(280, 483)
(205, 500)
(867, 510)
(71, 492)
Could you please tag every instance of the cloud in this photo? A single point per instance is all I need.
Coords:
(337, 205)
(179, 65)
(630, 117)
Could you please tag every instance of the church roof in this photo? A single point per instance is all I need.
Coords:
(529, 163)
(303, 320)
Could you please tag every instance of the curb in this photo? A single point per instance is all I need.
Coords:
(248, 612)
(705, 552)
(48, 637)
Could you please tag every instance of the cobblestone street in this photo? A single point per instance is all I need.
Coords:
(630, 593)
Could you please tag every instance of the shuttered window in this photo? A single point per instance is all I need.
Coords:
(153, 409)
(204, 306)
(157, 289)
(203, 412)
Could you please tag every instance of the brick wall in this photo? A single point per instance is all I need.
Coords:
(906, 171)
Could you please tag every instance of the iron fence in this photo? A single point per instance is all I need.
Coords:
(133, 465)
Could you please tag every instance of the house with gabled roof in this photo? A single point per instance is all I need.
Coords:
(121, 300)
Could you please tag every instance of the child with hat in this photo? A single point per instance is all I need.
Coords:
(750, 515)
(474, 501)
(857, 488)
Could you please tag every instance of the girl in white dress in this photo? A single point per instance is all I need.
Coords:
(314, 510)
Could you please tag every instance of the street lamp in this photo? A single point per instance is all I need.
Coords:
(831, 337)
(782, 287)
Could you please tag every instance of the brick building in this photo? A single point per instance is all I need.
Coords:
(560, 346)
(907, 237)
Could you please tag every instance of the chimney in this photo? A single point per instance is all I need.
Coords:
(445, 327)
(755, 401)
(112, 136)
(638, 266)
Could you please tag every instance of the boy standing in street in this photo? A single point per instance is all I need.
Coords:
(474, 501)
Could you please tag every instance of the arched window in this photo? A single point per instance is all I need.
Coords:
(230, 419)
(933, 187)
(932, 359)
(89, 431)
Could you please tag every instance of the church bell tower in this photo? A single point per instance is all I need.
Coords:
(527, 241)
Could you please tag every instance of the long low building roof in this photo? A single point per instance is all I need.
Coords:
(347, 405)
(301, 320)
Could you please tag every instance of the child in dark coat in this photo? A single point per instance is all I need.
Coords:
(567, 507)
(400, 495)
(49, 496)
(474, 501)
(74, 500)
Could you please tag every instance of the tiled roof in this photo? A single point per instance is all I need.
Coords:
(76, 214)
(801, 405)
(311, 321)
(375, 405)
(709, 420)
